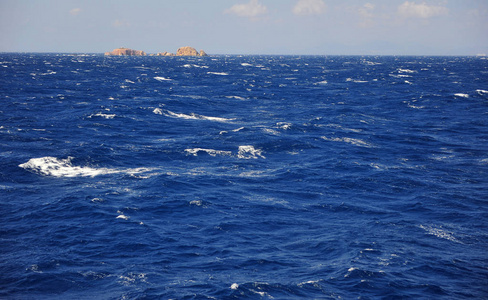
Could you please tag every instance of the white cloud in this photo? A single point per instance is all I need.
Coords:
(366, 10)
(309, 7)
(75, 11)
(422, 10)
(251, 9)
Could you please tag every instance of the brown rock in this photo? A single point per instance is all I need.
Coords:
(126, 51)
(186, 51)
(165, 54)
(202, 53)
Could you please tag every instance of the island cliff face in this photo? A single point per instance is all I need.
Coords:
(186, 51)
(126, 51)
(183, 51)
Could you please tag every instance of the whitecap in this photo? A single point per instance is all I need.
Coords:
(234, 130)
(56, 167)
(461, 95)
(406, 71)
(102, 115)
(246, 65)
(195, 66)
(355, 80)
(249, 152)
(48, 73)
(158, 111)
(52, 166)
(284, 125)
(159, 78)
(218, 73)
(194, 116)
(211, 152)
(235, 97)
(322, 82)
(356, 142)
(234, 286)
(481, 92)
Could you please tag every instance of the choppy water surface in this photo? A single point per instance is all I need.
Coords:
(254, 177)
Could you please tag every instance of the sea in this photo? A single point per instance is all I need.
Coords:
(243, 177)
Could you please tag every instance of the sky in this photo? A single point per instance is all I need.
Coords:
(295, 27)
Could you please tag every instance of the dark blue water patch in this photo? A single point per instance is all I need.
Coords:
(243, 177)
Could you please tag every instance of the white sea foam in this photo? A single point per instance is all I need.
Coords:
(102, 115)
(236, 97)
(218, 73)
(406, 71)
(47, 73)
(461, 95)
(371, 63)
(158, 111)
(193, 116)
(234, 130)
(195, 66)
(246, 65)
(159, 78)
(211, 152)
(52, 166)
(322, 82)
(356, 142)
(249, 152)
(481, 92)
(355, 80)
(284, 125)
(56, 167)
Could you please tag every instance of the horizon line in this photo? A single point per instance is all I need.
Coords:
(253, 54)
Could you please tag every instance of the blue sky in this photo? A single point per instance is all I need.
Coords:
(370, 27)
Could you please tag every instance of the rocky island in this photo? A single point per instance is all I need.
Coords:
(126, 51)
(182, 51)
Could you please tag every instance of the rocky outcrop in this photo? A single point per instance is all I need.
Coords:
(187, 51)
(126, 51)
(183, 51)
(165, 54)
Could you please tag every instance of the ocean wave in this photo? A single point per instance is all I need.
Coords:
(218, 73)
(355, 80)
(462, 95)
(191, 116)
(322, 82)
(406, 71)
(440, 233)
(102, 115)
(195, 66)
(211, 152)
(243, 152)
(235, 97)
(56, 167)
(355, 142)
(249, 152)
(159, 78)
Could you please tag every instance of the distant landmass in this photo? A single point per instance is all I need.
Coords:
(182, 51)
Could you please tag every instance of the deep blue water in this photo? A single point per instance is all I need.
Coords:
(243, 177)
